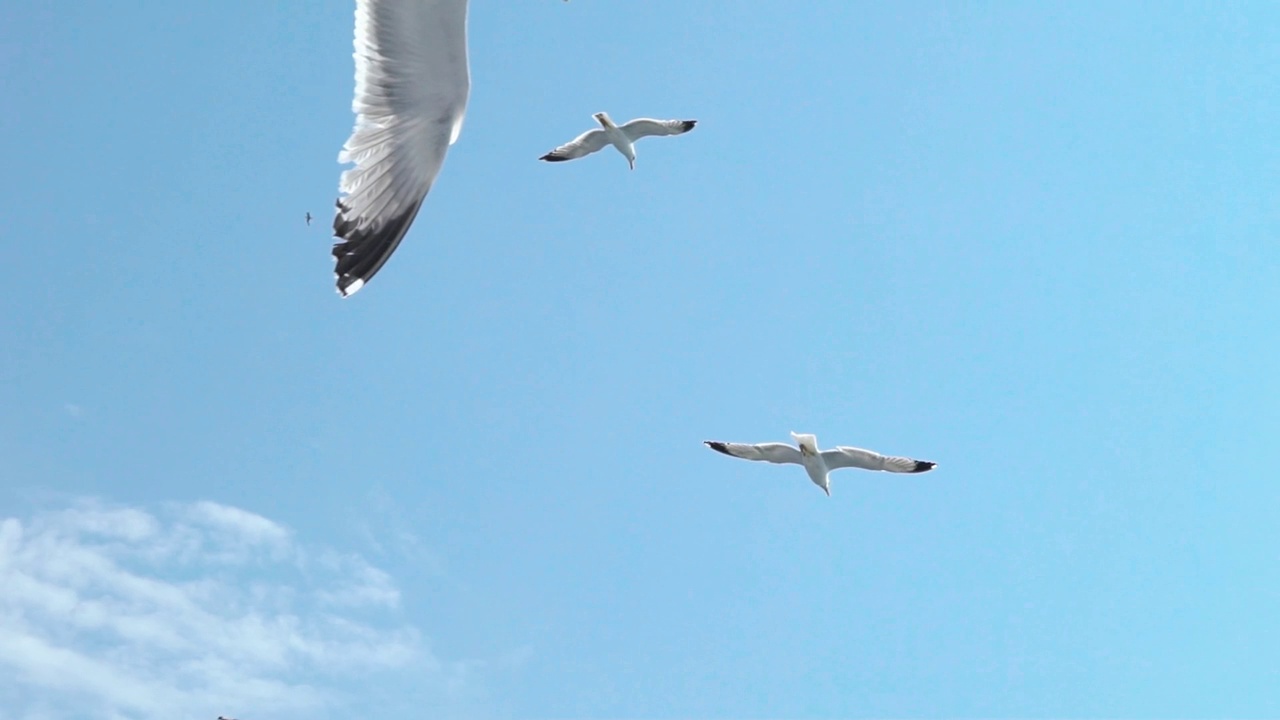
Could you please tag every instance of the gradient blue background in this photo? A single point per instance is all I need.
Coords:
(1034, 243)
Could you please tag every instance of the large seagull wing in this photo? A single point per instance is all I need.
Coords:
(412, 84)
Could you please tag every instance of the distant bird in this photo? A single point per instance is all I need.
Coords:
(412, 84)
(621, 137)
(819, 463)
(308, 219)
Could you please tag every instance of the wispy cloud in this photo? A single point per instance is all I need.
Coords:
(391, 535)
(186, 611)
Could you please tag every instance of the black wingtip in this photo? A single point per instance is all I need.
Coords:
(924, 466)
(717, 446)
(688, 125)
(549, 157)
(362, 251)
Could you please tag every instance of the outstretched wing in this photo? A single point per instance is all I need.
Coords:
(644, 127)
(411, 94)
(852, 457)
(581, 146)
(768, 452)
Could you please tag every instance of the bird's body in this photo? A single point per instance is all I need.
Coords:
(623, 137)
(814, 466)
(619, 140)
(818, 464)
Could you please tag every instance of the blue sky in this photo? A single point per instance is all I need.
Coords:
(1035, 244)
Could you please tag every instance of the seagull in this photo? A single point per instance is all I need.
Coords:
(818, 463)
(412, 84)
(308, 219)
(622, 137)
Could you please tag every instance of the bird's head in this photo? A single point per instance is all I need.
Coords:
(603, 119)
(808, 443)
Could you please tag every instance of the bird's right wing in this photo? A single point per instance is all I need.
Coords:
(768, 452)
(852, 457)
(412, 84)
(645, 127)
(583, 145)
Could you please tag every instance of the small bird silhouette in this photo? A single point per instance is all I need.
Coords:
(308, 219)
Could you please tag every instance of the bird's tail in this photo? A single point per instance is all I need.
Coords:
(809, 442)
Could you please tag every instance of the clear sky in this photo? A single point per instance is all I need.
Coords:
(1033, 242)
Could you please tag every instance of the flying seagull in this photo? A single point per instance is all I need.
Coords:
(623, 137)
(820, 462)
(412, 84)
(308, 219)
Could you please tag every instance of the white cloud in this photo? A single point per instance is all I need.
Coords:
(370, 585)
(189, 611)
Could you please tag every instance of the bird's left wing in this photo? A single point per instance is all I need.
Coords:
(412, 84)
(852, 457)
(769, 452)
(644, 127)
(581, 146)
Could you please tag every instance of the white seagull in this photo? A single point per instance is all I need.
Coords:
(622, 137)
(412, 83)
(819, 463)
